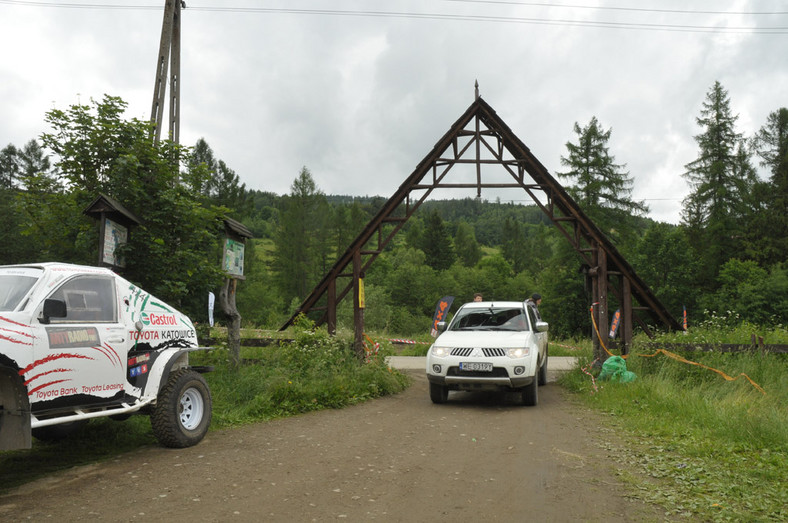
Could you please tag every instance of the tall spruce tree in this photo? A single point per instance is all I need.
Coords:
(436, 243)
(720, 180)
(299, 247)
(215, 180)
(602, 187)
(768, 229)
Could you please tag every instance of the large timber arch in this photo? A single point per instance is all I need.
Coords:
(479, 138)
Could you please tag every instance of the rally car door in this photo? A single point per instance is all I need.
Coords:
(80, 359)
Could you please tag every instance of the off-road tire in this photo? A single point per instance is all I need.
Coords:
(439, 393)
(182, 412)
(53, 433)
(530, 393)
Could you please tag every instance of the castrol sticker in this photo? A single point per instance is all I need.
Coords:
(158, 319)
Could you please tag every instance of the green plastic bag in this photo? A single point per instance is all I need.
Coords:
(615, 369)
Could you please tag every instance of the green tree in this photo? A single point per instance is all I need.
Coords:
(600, 186)
(9, 166)
(513, 248)
(751, 292)
(215, 180)
(468, 250)
(720, 181)
(300, 252)
(436, 243)
(17, 166)
(174, 253)
(663, 259)
(768, 230)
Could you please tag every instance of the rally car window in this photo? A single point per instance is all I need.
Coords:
(88, 299)
(13, 288)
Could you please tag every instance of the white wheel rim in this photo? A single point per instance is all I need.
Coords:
(191, 409)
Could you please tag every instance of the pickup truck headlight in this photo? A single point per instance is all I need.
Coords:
(440, 352)
(520, 352)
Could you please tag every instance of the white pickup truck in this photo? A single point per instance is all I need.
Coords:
(81, 342)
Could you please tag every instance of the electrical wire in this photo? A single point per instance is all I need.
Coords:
(773, 30)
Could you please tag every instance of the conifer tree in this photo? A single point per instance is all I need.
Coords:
(720, 180)
(601, 187)
(768, 229)
(436, 243)
(299, 254)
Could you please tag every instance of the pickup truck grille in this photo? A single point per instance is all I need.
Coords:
(465, 351)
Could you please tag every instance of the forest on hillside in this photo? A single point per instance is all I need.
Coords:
(727, 256)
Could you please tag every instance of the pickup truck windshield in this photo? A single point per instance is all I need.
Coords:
(493, 318)
(14, 286)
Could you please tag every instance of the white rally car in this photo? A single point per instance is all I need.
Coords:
(81, 342)
(494, 346)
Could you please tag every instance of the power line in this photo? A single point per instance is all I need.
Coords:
(612, 8)
(775, 30)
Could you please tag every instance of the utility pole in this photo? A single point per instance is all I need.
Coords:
(169, 58)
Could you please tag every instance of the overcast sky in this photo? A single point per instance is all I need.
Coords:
(359, 91)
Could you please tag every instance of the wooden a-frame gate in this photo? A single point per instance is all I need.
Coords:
(478, 138)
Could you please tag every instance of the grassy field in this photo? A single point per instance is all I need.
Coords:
(706, 446)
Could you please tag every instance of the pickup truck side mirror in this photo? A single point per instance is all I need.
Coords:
(53, 309)
(542, 326)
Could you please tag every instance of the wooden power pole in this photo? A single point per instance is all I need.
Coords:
(169, 58)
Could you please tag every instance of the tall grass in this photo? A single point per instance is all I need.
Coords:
(316, 371)
(705, 447)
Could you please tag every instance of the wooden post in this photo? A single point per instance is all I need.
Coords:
(603, 319)
(626, 315)
(358, 312)
(227, 303)
(331, 311)
(236, 235)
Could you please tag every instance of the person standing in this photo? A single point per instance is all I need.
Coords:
(534, 301)
(477, 297)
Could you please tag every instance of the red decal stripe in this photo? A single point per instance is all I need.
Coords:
(52, 357)
(106, 354)
(107, 345)
(13, 322)
(17, 332)
(31, 391)
(45, 373)
(12, 340)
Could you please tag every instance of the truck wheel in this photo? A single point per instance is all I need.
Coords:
(53, 433)
(439, 393)
(531, 392)
(543, 371)
(182, 412)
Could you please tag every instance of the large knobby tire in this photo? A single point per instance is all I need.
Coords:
(531, 392)
(54, 433)
(182, 412)
(439, 393)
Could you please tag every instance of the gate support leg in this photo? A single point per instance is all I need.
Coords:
(358, 312)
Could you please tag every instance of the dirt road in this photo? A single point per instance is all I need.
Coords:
(400, 458)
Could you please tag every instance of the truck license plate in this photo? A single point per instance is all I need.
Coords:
(476, 366)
